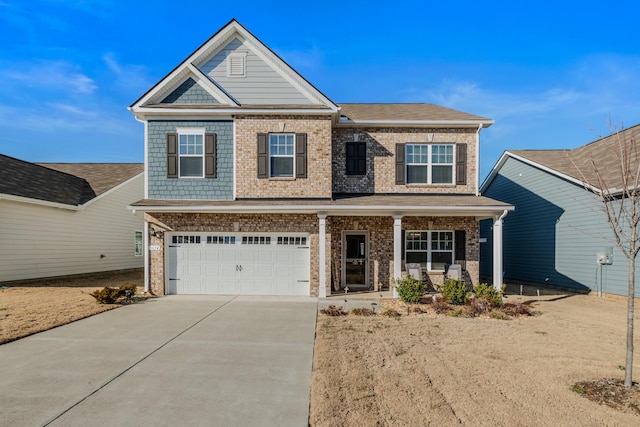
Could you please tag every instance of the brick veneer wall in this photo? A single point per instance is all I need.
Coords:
(381, 245)
(381, 148)
(204, 222)
(318, 181)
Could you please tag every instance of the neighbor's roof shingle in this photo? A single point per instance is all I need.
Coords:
(406, 112)
(576, 163)
(66, 183)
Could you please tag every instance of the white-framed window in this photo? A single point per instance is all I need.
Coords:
(431, 249)
(191, 152)
(237, 64)
(138, 243)
(429, 163)
(281, 155)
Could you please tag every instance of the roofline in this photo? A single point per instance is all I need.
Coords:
(33, 201)
(507, 154)
(229, 26)
(29, 200)
(373, 210)
(432, 123)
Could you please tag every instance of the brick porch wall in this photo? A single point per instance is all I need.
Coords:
(203, 222)
(381, 245)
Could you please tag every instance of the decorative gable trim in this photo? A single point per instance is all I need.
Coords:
(209, 48)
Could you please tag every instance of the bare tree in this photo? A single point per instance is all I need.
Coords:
(617, 187)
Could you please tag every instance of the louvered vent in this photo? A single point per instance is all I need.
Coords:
(236, 65)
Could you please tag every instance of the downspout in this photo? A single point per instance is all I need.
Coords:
(478, 160)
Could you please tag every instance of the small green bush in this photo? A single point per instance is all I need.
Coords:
(454, 292)
(488, 293)
(411, 290)
(106, 295)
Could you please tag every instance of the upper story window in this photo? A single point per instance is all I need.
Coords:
(429, 163)
(191, 152)
(281, 155)
(356, 158)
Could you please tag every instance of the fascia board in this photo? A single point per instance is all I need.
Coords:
(405, 123)
(46, 203)
(479, 211)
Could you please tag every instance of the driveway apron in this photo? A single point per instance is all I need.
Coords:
(177, 360)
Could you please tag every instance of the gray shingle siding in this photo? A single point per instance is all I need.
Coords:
(189, 92)
(554, 234)
(161, 187)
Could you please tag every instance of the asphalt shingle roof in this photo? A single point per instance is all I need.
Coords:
(576, 163)
(66, 183)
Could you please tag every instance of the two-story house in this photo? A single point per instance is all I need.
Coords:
(257, 183)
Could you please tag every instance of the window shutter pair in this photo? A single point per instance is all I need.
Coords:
(461, 164)
(356, 156)
(210, 140)
(300, 155)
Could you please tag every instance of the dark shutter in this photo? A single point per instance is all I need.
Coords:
(461, 164)
(172, 155)
(263, 155)
(209, 155)
(301, 155)
(356, 156)
(460, 241)
(400, 168)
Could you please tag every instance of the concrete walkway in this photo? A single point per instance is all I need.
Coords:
(177, 360)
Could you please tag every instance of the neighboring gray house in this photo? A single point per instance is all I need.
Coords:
(59, 219)
(557, 235)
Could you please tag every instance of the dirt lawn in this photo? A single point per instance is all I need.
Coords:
(40, 305)
(427, 369)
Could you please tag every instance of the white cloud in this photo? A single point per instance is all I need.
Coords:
(52, 75)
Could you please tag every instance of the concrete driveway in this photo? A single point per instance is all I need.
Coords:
(177, 360)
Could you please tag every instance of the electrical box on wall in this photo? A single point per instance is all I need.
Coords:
(605, 257)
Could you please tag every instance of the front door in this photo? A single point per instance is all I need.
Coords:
(355, 256)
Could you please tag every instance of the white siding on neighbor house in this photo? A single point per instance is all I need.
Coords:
(40, 241)
(554, 233)
(261, 85)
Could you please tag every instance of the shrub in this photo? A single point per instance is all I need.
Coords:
(488, 293)
(362, 311)
(333, 311)
(411, 290)
(454, 291)
(106, 295)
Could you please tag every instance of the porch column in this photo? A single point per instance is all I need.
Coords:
(322, 255)
(497, 251)
(397, 250)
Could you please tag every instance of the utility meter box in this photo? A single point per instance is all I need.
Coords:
(605, 257)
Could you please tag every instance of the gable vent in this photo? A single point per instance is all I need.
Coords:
(236, 65)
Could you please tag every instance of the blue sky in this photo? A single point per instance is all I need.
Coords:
(550, 74)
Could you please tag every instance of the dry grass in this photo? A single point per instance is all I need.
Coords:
(434, 369)
(28, 308)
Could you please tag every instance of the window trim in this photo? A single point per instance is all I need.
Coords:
(191, 131)
(429, 250)
(430, 164)
(138, 245)
(292, 156)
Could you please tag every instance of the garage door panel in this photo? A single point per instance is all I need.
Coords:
(227, 264)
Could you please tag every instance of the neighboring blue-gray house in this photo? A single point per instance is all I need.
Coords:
(558, 234)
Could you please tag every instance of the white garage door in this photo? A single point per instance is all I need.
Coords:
(238, 264)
